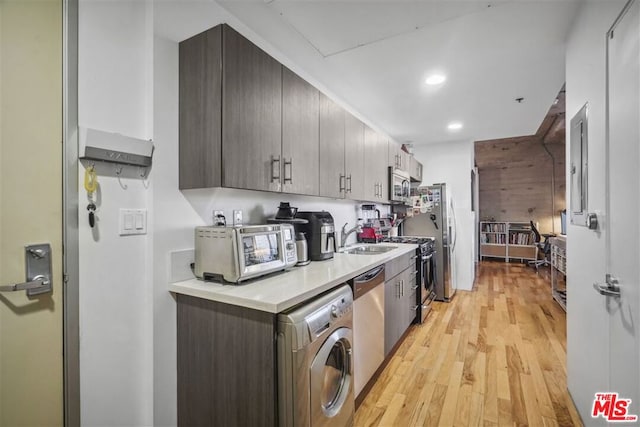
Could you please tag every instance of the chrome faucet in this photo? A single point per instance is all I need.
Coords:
(344, 234)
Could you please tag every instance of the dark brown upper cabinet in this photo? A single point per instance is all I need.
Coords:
(398, 158)
(200, 84)
(354, 158)
(332, 176)
(251, 115)
(248, 122)
(300, 135)
(415, 169)
(376, 175)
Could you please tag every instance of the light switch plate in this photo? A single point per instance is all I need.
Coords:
(133, 222)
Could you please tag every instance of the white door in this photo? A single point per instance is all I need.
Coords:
(623, 210)
(31, 386)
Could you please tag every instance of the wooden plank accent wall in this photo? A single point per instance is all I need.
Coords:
(515, 181)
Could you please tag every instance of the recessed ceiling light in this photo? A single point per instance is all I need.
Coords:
(436, 79)
(454, 126)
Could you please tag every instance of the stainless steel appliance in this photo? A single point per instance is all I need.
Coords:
(368, 322)
(426, 270)
(436, 219)
(302, 249)
(320, 233)
(235, 254)
(399, 186)
(315, 362)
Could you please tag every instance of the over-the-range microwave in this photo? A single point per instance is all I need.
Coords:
(399, 186)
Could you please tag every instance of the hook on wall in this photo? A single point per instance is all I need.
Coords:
(143, 175)
(118, 173)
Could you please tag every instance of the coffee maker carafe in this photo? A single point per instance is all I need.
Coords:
(320, 232)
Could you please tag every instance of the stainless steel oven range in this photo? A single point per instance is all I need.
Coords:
(426, 272)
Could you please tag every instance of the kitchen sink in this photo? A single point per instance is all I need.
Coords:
(369, 250)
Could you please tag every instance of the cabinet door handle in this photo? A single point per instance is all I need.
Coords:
(348, 190)
(290, 164)
(342, 186)
(275, 160)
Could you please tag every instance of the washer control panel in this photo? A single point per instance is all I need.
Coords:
(321, 319)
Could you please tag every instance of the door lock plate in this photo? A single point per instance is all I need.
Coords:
(37, 259)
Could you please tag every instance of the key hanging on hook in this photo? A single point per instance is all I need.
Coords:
(91, 185)
(91, 207)
(90, 180)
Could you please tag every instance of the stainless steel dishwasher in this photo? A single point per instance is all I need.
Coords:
(368, 325)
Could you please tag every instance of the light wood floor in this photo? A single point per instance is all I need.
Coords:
(494, 356)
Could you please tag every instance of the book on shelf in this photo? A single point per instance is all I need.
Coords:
(521, 238)
(496, 239)
(521, 226)
(493, 227)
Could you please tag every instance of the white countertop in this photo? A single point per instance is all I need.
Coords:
(279, 292)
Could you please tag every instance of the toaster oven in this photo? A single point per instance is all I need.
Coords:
(235, 254)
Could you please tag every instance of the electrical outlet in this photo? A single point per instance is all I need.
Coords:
(237, 217)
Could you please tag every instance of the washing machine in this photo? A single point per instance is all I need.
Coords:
(315, 362)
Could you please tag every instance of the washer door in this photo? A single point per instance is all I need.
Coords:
(332, 399)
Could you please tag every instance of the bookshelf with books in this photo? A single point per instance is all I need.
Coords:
(507, 240)
(493, 240)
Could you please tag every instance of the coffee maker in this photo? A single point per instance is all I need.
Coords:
(320, 232)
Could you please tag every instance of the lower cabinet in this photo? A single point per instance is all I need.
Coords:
(399, 304)
(226, 364)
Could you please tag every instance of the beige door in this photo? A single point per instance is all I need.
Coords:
(31, 386)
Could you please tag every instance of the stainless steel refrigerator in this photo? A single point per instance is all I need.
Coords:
(436, 219)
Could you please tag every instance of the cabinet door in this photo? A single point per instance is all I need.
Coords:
(300, 135)
(372, 161)
(393, 155)
(354, 157)
(391, 298)
(201, 110)
(383, 167)
(404, 160)
(251, 115)
(415, 169)
(332, 178)
(398, 158)
(409, 300)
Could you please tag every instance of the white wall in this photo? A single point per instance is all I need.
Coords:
(116, 330)
(452, 163)
(587, 320)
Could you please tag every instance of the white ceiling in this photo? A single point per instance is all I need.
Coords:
(373, 56)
